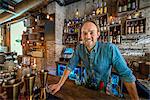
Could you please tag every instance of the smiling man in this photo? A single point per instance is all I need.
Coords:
(98, 59)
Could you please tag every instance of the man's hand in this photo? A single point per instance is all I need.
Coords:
(3, 96)
(54, 88)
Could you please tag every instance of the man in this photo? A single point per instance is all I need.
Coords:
(98, 59)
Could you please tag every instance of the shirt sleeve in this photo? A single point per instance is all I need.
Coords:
(74, 60)
(120, 65)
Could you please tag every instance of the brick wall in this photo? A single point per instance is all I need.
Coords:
(54, 48)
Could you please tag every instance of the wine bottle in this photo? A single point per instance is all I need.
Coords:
(125, 6)
(137, 28)
(97, 9)
(129, 5)
(105, 28)
(132, 27)
(129, 28)
(105, 7)
(133, 4)
(141, 27)
(119, 7)
(101, 8)
(118, 37)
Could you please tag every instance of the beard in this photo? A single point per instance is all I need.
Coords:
(89, 43)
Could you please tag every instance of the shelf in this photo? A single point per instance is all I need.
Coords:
(121, 14)
(113, 25)
(135, 19)
(98, 16)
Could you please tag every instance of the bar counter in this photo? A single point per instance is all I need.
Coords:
(70, 91)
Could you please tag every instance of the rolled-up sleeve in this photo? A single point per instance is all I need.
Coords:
(74, 60)
(120, 65)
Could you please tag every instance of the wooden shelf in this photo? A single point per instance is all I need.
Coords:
(121, 14)
(98, 16)
(113, 25)
(135, 19)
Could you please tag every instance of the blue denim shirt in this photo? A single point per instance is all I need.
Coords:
(100, 60)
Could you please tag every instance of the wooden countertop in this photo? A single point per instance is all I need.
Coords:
(70, 91)
(65, 63)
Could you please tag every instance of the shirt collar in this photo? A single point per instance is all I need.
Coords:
(94, 48)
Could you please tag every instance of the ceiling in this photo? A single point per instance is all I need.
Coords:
(8, 5)
(10, 9)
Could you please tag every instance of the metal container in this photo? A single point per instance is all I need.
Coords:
(13, 88)
(43, 77)
(29, 84)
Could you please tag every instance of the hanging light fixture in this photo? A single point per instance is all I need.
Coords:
(77, 13)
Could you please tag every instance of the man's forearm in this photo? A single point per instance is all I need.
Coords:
(131, 87)
(64, 77)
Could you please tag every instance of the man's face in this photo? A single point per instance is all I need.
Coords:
(89, 34)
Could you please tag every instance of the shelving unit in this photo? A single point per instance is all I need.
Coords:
(33, 40)
(136, 26)
(71, 32)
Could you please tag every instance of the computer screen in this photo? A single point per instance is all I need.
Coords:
(68, 50)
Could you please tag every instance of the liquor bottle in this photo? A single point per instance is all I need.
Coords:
(97, 9)
(133, 4)
(118, 37)
(119, 7)
(129, 5)
(137, 28)
(105, 27)
(125, 6)
(101, 24)
(93, 12)
(105, 7)
(114, 40)
(141, 27)
(101, 8)
(129, 28)
(132, 28)
(115, 31)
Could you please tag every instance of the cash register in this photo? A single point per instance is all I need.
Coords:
(66, 55)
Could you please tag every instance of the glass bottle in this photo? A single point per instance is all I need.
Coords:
(101, 8)
(137, 27)
(119, 7)
(132, 27)
(97, 9)
(129, 28)
(125, 6)
(141, 27)
(133, 4)
(105, 7)
(129, 5)
(118, 37)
